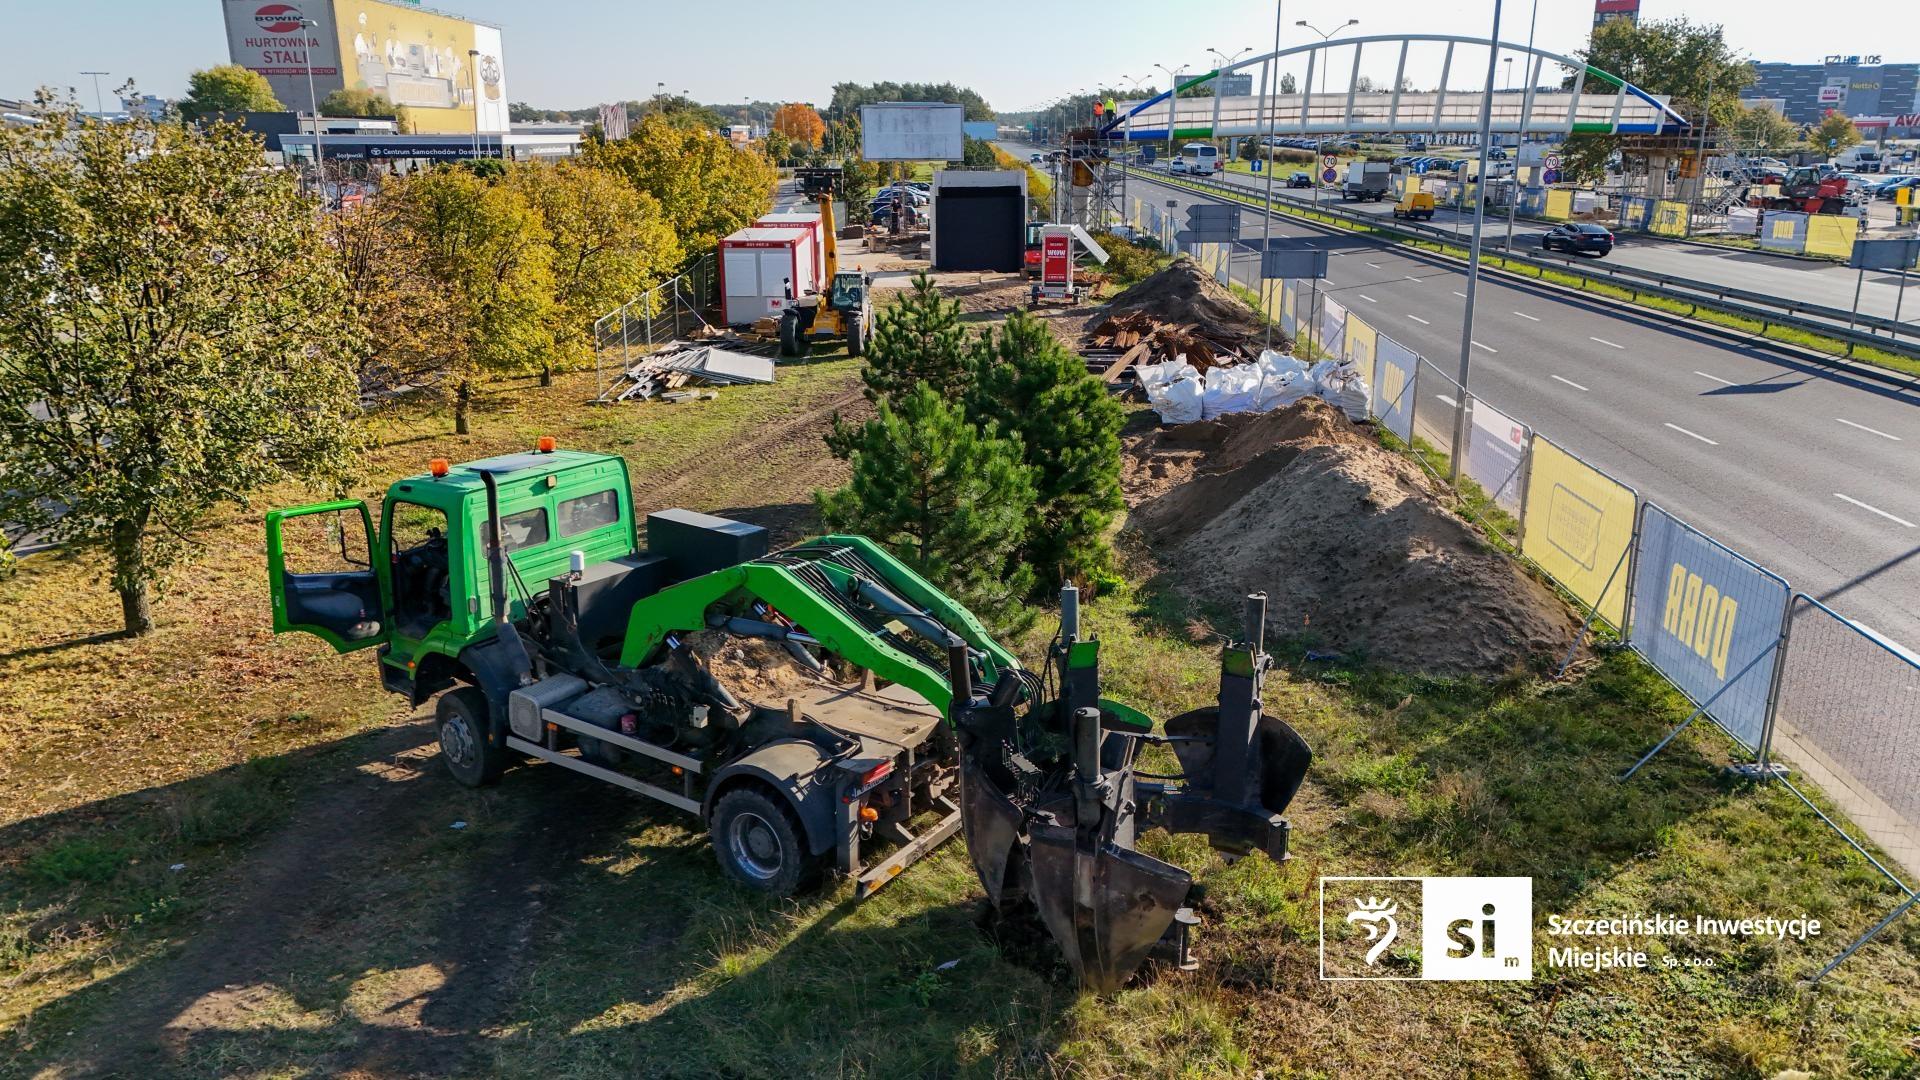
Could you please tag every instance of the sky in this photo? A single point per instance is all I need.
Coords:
(1016, 53)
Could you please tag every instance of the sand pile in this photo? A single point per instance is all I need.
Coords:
(1350, 542)
(1184, 293)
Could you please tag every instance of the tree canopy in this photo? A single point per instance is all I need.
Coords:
(706, 187)
(1689, 61)
(1834, 133)
(227, 88)
(174, 333)
(799, 123)
(848, 97)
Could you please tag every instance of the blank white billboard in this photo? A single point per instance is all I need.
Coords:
(912, 131)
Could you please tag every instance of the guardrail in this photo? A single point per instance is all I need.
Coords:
(1769, 311)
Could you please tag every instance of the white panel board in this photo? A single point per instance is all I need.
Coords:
(912, 131)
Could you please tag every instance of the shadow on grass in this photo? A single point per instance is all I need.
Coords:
(62, 646)
(351, 909)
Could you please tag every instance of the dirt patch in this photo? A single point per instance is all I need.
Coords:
(1352, 543)
(1184, 293)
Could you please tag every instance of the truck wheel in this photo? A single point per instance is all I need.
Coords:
(856, 336)
(791, 340)
(758, 842)
(465, 743)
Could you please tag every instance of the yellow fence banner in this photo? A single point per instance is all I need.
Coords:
(1361, 341)
(1579, 528)
(1903, 196)
(1668, 219)
(1275, 300)
(1831, 234)
(1559, 204)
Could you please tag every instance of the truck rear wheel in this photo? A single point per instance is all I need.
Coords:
(466, 744)
(758, 842)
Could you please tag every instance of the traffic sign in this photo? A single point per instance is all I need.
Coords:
(1329, 161)
(1329, 176)
(1553, 161)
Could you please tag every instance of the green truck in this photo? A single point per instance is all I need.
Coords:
(517, 589)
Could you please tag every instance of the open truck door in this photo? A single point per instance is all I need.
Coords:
(321, 576)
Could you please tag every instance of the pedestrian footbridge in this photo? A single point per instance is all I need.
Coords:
(1554, 95)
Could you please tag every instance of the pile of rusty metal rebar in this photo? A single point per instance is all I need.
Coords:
(1117, 343)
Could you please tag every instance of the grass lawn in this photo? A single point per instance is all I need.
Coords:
(227, 854)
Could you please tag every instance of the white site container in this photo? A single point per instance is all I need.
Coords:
(756, 267)
(809, 222)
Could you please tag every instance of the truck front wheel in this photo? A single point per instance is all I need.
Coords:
(856, 335)
(465, 745)
(758, 842)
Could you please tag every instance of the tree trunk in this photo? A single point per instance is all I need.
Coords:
(462, 397)
(546, 374)
(130, 578)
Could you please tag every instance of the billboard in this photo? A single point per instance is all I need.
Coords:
(912, 131)
(435, 65)
(1605, 11)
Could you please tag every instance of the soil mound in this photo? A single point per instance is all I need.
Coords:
(1351, 542)
(1184, 293)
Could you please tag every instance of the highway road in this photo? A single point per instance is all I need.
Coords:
(1821, 283)
(1807, 469)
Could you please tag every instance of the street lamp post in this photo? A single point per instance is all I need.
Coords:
(1460, 419)
(98, 103)
(1173, 102)
(319, 155)
(1513, 201)
(473, 81)
(1267, 93)
(1306, 107)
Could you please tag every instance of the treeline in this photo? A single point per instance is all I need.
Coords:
(179, 326)
(848, 97)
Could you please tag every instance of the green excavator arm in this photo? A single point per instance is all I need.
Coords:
(845, 593)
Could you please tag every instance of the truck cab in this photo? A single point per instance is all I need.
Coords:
(416, 588)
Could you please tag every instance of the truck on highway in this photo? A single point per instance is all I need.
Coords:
(1367, 181)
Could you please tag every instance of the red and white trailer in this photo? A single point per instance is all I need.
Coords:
(762, 270)
(809, 222)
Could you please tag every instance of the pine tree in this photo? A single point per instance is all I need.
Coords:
(949, 499)
(920, 339)
(1027, 385)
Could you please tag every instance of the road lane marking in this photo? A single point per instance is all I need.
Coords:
(1419, 320)
(1867, 429)
(1489, 348)
(1413, 279)
(1459, 294)
(1524, 315)
(1716, 378)
(1448, 400)
(1375, 265)
(1875, 509)
(1694, 435)
(1569, 382)
(1328, 281)
(1605, 342)
(1367, 298)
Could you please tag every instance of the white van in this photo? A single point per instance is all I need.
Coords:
(1197, 159)
(1863, 157)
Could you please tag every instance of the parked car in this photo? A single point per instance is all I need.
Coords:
(1300, 180)
(1886, 190)
(1575, 237)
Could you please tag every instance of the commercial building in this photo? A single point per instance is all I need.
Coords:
(1881, 98)
(448, 72)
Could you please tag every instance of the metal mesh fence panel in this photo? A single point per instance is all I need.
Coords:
(1333, 328)
(1708, 619)
(1578, 526)
(1304, 301)
(1436, 404)
(1849, 719)
(1497, 454)
(1393, 386)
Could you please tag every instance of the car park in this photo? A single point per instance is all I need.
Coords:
(1574, 237)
